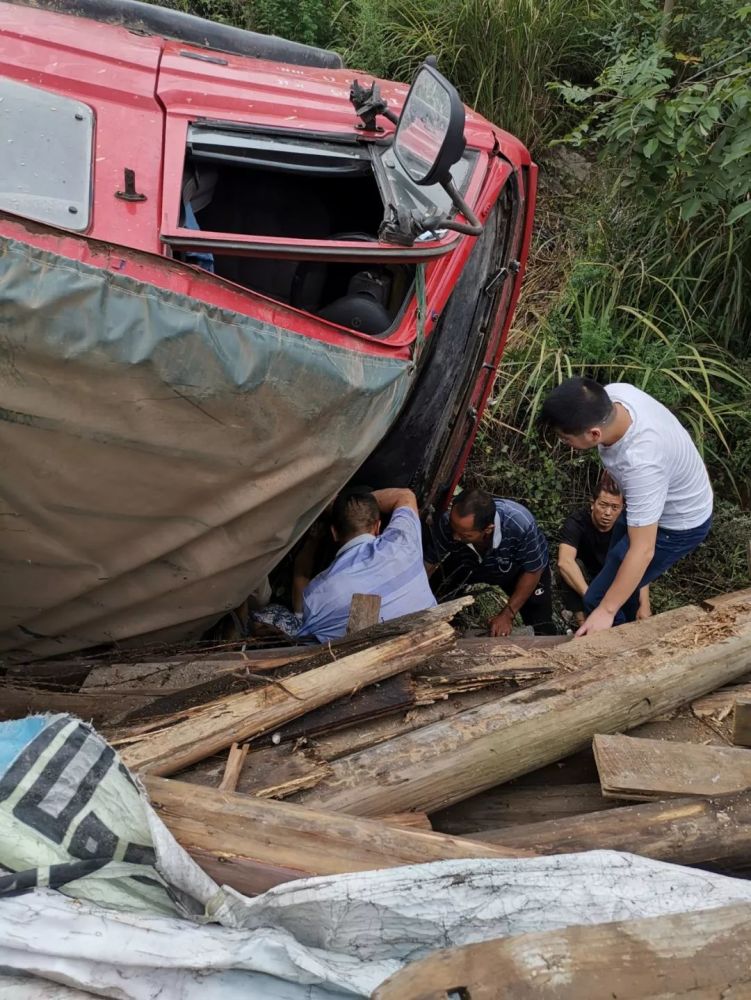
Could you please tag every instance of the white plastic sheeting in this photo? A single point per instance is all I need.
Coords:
(320, 938)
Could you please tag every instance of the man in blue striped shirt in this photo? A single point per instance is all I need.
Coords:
(389, 564)
(486, 539)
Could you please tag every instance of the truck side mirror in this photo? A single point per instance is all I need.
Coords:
(429, 139)
(430, 135)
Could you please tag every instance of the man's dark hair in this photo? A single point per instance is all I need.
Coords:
(577, 405)
(354, 511)
(479, 504)
(606, 484)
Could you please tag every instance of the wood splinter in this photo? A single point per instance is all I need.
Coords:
(233, 767)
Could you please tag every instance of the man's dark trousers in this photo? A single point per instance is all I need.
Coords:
(670, 546)
(462, 569)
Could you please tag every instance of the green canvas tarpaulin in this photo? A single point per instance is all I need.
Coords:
(160, 454)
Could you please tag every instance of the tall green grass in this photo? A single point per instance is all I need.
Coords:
(500, 54)
(594, 329)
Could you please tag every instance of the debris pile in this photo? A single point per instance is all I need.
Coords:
(404, 743)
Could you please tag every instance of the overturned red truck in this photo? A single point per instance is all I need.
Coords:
(233, 276)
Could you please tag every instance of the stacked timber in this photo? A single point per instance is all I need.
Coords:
(404, 743)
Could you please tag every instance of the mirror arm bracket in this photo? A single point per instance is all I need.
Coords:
(473, 226)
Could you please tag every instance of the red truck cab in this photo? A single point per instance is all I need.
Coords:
(223, 296)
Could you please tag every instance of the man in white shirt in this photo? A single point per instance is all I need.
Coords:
(664, 481)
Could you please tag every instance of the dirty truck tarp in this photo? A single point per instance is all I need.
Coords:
(160, 454)
(133, 917)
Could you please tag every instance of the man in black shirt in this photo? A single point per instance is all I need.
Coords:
(585, 540)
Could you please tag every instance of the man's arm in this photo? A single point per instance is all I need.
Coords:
(641, 549)
(501, 624)
(645, 608)
(388, 500)
(570, 569)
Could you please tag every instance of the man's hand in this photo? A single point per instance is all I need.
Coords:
(599, 621)
(500, 625)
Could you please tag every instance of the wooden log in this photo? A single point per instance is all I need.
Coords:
(642, 769)
(194, 681)
(364, 611)
(279, 771)
(705, 955)
(315, 656)
(274, 835)
(686, 831)
(243, 716)
(451, 760)
(742, 722)
(508, 806)
(235, 760)
(723, 600)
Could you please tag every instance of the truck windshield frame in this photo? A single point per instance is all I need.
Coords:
(364, 176)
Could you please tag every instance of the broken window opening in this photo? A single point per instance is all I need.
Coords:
(231, 185)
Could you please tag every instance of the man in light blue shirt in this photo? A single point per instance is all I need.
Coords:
(368, 562)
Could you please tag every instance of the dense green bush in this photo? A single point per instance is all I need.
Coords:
(499, 53)
(307, 21)
(670, 118)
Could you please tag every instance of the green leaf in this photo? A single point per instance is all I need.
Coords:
(691, 207)
(739, 212)
(651, 148)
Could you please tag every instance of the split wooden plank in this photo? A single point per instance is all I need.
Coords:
(742, 722)
(364, 611)
(235, 761)
(516, 805)
(719, 704)
(412, 820)
(179, 674)
(454, 759)
(465, 674)
(686, 831)
(17, 702)
(243, 716)
(702, 955)
(394, 694)
(255, 832)
(332, 746)
(642, 769)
